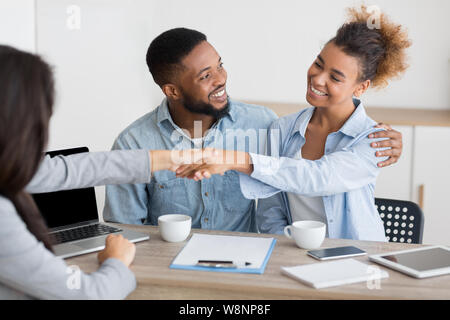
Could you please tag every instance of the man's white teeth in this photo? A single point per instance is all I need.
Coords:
(319, 93)
(219, 94)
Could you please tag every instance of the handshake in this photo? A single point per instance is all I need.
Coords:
(198, 164)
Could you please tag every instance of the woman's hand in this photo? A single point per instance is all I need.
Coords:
(116, 246)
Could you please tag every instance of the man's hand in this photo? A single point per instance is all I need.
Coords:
(394, 142)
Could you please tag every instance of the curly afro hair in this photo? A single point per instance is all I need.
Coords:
(381, 51)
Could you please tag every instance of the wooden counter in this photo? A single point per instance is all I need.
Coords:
(155, 280)
(392, 116)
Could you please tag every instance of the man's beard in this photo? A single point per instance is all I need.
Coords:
(205, 108)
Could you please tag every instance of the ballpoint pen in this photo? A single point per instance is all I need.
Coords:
(222, 263)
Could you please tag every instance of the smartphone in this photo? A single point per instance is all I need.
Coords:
(336, 253)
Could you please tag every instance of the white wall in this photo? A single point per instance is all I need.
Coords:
(102, 80)
(17, 24)
(268, 45)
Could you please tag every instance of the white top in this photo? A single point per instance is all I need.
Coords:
(198, 142)
(306, 208)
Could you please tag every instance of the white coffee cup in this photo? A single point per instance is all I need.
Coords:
(306, 234)
(174, 227)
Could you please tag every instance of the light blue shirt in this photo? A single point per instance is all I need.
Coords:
(345, 176)
(215, 203)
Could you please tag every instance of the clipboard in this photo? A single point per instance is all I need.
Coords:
(256, 250)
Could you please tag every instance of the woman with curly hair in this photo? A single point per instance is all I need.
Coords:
(319, 164)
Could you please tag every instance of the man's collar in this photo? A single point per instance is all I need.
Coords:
(163, 112)
(232, 111)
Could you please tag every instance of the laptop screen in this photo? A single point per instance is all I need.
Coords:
(68, 207)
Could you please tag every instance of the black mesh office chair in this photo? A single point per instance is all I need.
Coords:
(403, 220)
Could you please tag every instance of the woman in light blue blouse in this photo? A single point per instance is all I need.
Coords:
(319, 163)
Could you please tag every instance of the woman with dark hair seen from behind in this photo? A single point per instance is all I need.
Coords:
(23, 130)
(28, 268)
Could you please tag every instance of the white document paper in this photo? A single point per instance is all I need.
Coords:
(334, 273)
(218, 247)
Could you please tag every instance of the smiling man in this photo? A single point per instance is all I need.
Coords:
(196, 113)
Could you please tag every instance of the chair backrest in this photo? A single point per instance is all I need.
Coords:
(403, 220)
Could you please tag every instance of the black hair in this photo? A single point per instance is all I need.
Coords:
(166, 51)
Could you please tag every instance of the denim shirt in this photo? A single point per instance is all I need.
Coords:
(345, 176)
(215, 203)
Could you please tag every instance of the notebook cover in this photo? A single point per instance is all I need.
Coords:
(334, 273)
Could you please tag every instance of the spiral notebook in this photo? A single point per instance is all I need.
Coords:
(255, 250)
(334, 273)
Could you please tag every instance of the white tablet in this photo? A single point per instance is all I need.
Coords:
(419, 263)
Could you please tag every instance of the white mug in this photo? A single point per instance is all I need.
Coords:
(306, 234)
(174, 227)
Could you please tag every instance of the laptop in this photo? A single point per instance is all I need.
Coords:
(72, 218)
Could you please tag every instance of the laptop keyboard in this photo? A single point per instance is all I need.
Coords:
(84, 232)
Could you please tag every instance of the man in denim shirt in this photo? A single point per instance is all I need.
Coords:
(196, 113)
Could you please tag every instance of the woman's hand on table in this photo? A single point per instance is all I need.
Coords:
(118, 247)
